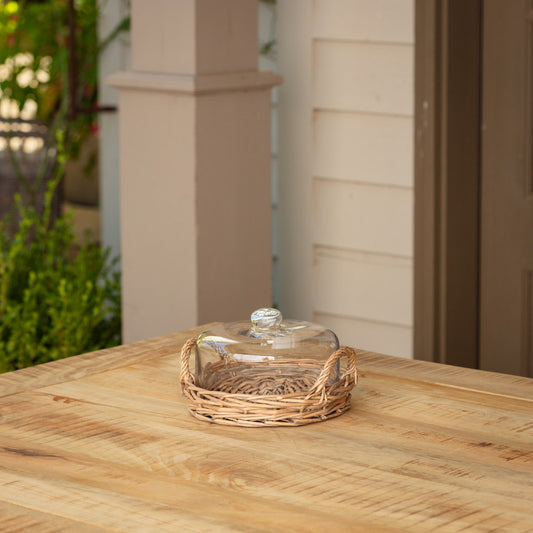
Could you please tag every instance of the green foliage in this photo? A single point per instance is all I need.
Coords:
(35, 51)
(57, 298)
(34, 62)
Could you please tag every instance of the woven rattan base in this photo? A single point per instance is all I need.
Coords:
(285, 393)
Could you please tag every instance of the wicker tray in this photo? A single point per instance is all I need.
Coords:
(283, 393)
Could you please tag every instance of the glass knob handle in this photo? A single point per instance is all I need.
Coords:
(265, 319)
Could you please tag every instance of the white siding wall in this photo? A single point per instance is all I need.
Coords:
(346, 168)
(268, 61)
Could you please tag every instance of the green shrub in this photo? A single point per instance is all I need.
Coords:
(57, 297)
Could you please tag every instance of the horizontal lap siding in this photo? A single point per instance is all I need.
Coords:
(386, 338)
(363, 217)
(389, 21)
(364, 147)
(354, 76)
(362, 166)
(363, 285)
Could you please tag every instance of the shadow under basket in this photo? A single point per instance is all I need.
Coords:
(278, 393)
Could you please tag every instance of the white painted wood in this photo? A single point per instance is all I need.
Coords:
(114, 57)
(267, 34)
(275, 90)
(188, 84)
(363, 147)
(275, 180)
(219, 36)
(384, 338)
(275, 231)
(295, 165)
(233, 206)
(274, 132)
(363, 285)
(348, 78)
(268, 63)
(369, 77)
(372, 218)
(226, 35)
(195, 181)
(158, 36)
(159, 287)
(388, 21)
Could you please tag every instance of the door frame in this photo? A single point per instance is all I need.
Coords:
(448, 54)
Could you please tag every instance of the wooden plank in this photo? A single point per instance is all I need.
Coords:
(131, 499)
(411, 451)
(375, 78)
(20, 519)
(97, 506)
(424, 445)
(363, 217)
(363, 285)
(491, 383)
(163, 408)
(92, 363)
(363, 147)
(379, 336)
(389, 21)
(311, 493)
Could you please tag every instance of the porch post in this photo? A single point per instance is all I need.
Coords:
(195, 158)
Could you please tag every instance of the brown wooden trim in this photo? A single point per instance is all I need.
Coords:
(447, 170)
(528, 137)
(426, 157)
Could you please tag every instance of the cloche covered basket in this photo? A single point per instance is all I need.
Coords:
(267, 372)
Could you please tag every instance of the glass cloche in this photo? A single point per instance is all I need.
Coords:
(266, 355)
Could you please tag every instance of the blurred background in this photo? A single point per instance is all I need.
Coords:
(399, 148)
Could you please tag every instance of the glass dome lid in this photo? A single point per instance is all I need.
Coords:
(262, 345)
(268, 336)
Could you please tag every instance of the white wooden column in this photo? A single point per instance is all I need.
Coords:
(115, 56)
(195, 160)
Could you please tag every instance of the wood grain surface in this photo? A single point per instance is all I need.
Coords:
(104, 441)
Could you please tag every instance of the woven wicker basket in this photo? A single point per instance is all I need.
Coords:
(278, 393)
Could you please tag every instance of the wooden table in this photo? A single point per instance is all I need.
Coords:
(103, 441)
